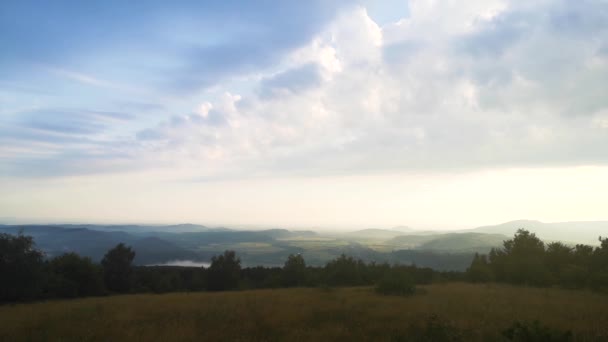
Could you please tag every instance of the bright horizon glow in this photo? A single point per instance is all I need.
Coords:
(315, 115)
(421, 201)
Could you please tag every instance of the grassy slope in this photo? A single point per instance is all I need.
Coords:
(302, 314)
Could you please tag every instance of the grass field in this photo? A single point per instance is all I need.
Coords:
(475, 312)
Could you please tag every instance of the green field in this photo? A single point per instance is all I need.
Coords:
(470, 312)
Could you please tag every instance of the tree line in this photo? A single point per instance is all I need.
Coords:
(527, 260)
(25, 274)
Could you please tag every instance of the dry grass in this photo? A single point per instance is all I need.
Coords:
(481, 312)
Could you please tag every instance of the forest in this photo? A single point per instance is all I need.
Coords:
(26, 274)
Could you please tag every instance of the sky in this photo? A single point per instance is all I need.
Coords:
(432, 114)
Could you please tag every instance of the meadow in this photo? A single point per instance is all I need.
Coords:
(452, 311)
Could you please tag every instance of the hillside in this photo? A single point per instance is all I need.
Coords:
(586, 232)
(454, 311)
(270, 247)
(450, 242)
(373, 233)
(461, 242)
(54, 240)
(263, 247)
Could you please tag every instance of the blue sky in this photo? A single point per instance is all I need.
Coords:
(222, 97)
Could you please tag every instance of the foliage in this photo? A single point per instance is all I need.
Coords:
(70, 275)
(294, 271)
(345, 270)
(75, 276)
(117, 268)
(535, 332)
(480, 270)
(526, 260)
(21, 268)
(224, 272)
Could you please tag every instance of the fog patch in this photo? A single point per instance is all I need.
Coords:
(183, 263)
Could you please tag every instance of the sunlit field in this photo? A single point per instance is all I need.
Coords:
(454, 311)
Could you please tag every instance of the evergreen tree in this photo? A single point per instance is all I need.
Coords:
(294, 271)
(117, 268)
(224, 272)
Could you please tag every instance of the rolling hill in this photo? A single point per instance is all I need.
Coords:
(450, 242)
(464, 242)
(586, 232)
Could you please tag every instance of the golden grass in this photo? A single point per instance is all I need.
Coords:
(359, 314)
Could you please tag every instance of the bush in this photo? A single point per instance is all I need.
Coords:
(535, 332)
(396, 283)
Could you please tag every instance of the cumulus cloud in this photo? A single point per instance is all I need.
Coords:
(479, 84)
(291, 81)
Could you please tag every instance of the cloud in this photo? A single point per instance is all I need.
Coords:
(496, 87)
(291, 81)
(69, 121)
(451, 86)
(54, 141)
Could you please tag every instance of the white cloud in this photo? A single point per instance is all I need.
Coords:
(454, 85)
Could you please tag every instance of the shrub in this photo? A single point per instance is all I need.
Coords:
(535, 332)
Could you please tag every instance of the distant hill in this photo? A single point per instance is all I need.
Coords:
(449, 242)
(139, 229)
(304, 233)
(410, 241)
(55, 240)
(270, 247)
(276, 233)
(151, 250)
(586, 232)
(373, 233)
(464, 242)
(402, 229)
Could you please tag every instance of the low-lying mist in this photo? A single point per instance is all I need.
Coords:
(183, 263)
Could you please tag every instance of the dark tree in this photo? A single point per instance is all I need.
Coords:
(294, 271)
(117, 268)
(599, 266)
(21, 268)
(224, 272)
(345, 271)
(75, 276)
(558, 258)
(525, 255)
(480, 270)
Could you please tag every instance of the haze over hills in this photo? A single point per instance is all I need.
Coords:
(269, 247)
(586, 232)
(464, 242)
